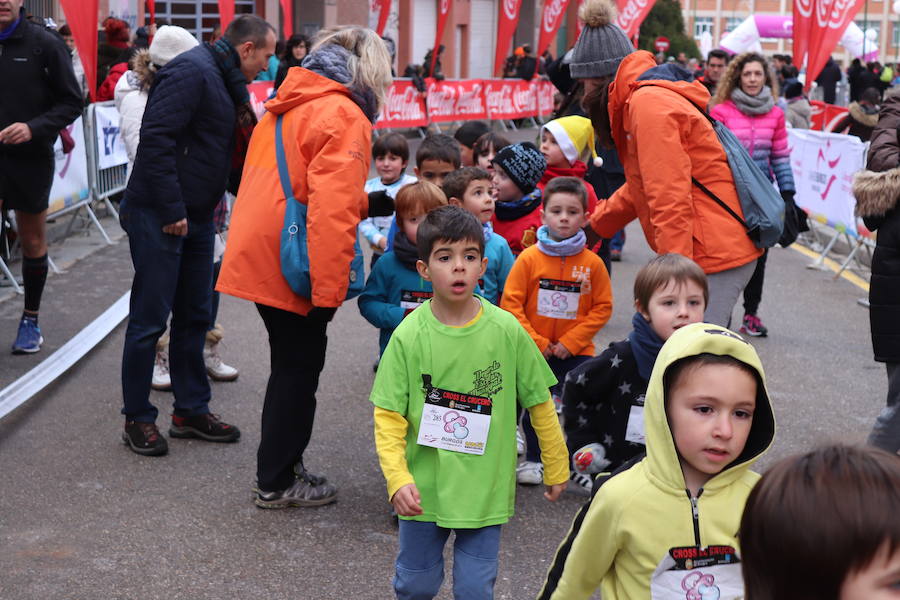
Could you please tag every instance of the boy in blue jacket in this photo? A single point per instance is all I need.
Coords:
(394, 287)
(470, 188)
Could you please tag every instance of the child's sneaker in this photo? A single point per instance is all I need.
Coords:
(581, 484)
(753, 326)
(162, 380)
(520, 443)
(530, 473)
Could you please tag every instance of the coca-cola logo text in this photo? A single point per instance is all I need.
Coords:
(552, 12)
(631, 14)
(511, 9)
(402, 104)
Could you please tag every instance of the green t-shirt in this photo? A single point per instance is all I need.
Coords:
(493, 358)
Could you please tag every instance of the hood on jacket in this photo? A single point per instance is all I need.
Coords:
(663, 463)
(867, 115)
(301, 86)
(876, 193)
(639, 69)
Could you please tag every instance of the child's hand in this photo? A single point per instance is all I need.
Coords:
(555, 491)
(407, 501)
(382, 243)
(560, 351)
(548, 351)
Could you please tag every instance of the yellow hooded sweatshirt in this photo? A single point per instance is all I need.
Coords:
(644, 536)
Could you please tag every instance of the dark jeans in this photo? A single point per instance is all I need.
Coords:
(172, 274)
(560, 368)
(753, 291)
(886, 433)
(297, 354)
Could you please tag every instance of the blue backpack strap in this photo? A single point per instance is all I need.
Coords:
(281, 159)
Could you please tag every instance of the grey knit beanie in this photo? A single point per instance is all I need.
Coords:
(602, 44)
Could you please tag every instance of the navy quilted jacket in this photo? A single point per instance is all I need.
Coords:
(187, 136)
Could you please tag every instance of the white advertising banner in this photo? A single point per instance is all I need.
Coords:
(824, 165)
(110, 147)
(70, 179)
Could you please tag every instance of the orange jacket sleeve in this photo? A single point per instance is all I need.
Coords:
(582, 334)
(336, 176)
(515, 297)
(614, 213)
(665, 168)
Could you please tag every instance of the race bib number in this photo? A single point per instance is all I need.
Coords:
(558, 299)
(410, 299)
(455, 421)
(695, 573)
(634, 431)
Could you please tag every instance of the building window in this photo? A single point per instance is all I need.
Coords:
(895, 35)
(702, 24)
(731, 23)
(199, 17)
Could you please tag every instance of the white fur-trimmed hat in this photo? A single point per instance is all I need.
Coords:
(169, 42)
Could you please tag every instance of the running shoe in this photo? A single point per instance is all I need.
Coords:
(753, 326)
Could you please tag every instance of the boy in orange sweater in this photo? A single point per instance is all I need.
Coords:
(560, 293)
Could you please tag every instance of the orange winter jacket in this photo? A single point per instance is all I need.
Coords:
(327, 139)
(540, 290)
(663, 141)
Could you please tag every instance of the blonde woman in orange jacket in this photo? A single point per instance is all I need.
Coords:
(329, 105)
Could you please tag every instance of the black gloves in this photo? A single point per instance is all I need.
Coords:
(380, 204)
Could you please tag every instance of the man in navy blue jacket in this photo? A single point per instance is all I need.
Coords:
(196, 105)
(39, 97)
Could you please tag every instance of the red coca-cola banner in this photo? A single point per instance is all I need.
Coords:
(829, 20)
(383, 9)
(403, 107)
(81, 16)
(456, 100)
(506, 26)
(551, 19)
(826, 117)
(461, 100)
(631, 14)
(510, 98)
(444, 10)
(287, 13)
(802, 18)
(226, 13)
(151, 8)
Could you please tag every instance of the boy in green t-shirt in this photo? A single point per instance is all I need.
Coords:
(445, 399)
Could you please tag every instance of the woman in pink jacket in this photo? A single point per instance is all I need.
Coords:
(745, 103)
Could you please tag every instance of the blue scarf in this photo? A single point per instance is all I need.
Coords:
(488, 231)
(567, 247)
(645, 344)
(11, 29)
(510, 211)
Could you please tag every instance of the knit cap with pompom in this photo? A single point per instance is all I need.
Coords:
(602, 44)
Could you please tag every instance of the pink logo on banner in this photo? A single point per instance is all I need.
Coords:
(403, 107)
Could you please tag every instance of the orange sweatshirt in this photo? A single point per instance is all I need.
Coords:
(564, 299)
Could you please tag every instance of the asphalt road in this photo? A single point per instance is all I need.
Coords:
(83, 517)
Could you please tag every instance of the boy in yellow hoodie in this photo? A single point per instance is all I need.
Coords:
(560, 293)
(666, 528)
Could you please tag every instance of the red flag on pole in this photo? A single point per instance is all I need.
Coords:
(287, 13)
(442, 20)
(829, 20)
(631, 14)
(384, 11)
(506, 26)
(552, 18)
(226, 13)
(81, 16)
(802, 10)
(151, 8)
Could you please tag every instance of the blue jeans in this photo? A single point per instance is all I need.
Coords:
(617, 242)
(420, 563)
(172, 274)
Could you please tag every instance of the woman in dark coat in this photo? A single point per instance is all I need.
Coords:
(877, 191)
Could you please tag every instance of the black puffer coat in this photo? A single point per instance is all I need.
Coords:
(877, 191)
(187, 137)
